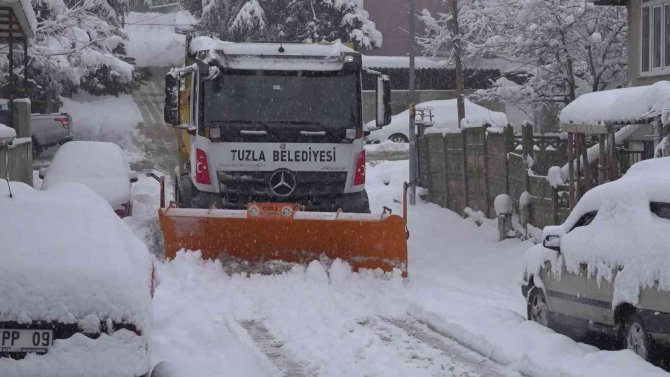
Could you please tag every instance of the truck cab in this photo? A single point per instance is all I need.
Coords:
(271, 122)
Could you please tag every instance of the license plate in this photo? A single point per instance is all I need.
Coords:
(23, 340)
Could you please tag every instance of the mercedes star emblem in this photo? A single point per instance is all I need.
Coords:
(282, 182)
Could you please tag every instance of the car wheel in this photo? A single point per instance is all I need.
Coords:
(399, 138)
(636, 338)
(37, 148)
(538, 310)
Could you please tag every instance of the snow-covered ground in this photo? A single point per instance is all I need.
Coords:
(326, 321)
(106, 118)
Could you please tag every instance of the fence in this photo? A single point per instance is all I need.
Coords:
(469, 168)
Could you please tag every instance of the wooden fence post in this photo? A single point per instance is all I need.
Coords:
(487, 188)
(602, 160)
(571, 168)
(446, 171)
(509, 147)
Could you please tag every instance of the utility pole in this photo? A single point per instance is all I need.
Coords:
(413, 155)
(460, 103)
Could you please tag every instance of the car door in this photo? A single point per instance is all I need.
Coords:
(565, 289)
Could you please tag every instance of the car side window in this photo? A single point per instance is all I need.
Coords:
(585, 220)
(661, 210)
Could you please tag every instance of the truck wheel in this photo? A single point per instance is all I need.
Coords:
(187, 196)
(399, 138)
(636, 338)
(37, 148)
(538, 310)
(356, 203)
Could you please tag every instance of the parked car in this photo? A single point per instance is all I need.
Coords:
(606, 269)
(101, 166)
(48, 130)
(76, 286)
(445, 117)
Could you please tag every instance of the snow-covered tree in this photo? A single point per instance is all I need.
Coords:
(559, 48)
(288, 20)
(78, 46)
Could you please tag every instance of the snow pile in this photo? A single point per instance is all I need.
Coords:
(121, 354)
(445, 118)
(502, 204)
(387, 146)
(612, 240)
(152, 38)
(627, 105)
(100, 166)
(106, 118)
(6, 132)
(67, 255)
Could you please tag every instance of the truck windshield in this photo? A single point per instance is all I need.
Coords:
(319, 98)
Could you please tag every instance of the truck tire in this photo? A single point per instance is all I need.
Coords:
(356, 202)
(188, 196)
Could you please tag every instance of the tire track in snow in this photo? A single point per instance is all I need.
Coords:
(272, 348)
(478, 364)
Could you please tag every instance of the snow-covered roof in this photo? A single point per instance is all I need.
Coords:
(592, 111)
(402, 62)
(23, 10)
(278, 56)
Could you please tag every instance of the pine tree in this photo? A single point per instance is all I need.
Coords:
(288, 20)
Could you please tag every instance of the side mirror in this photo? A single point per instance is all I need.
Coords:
(171, 110)
(383, 101)
(133, 176)
(185, 127)
(552, 242)
(42, 173)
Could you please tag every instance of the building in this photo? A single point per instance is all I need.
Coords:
(648, 39)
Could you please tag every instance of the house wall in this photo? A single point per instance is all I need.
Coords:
(392, 20)
(635, 47)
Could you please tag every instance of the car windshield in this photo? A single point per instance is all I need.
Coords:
(326, 99)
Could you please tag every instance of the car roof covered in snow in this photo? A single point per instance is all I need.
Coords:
(616, 107)
(66, 255)
(101, 166)
(253, 56)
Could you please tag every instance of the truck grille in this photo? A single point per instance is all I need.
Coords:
(244, 187)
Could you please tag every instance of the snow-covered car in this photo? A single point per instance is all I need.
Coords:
(606, 268)
(75, 286)
(100, 166)
(445, 117)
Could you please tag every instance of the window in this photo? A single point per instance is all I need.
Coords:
(585, 220)
(661, 210)
(655, 33)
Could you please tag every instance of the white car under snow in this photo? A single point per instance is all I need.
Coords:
(445, 119)
(101, 166)
(606, 268)
(75, 286)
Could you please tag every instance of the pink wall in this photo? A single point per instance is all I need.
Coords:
(391, 17)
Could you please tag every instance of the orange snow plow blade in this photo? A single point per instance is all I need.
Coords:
(268, 232)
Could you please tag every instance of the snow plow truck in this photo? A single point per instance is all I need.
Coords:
(272, 159)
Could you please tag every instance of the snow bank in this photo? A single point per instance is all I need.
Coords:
(152, 39)
(387, 146)
(100, 166)
(502, 204)
(626, 105)
(106, 118)
(121, 354)
(67, 255)
(6, 132)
